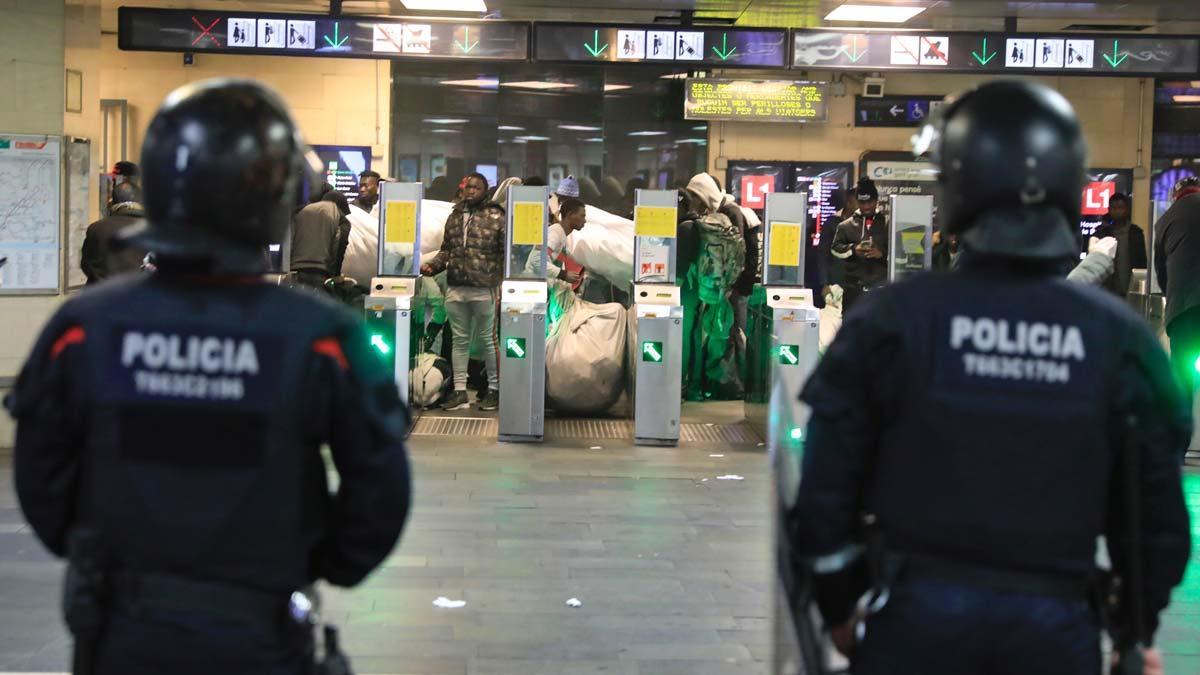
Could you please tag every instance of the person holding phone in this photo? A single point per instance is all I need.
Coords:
(861, 241)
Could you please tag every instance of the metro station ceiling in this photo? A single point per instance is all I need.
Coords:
(1161, 16)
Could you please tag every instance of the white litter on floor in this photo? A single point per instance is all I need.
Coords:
(447, 603)
(731, 476)
(574, 602)
(716, 455)
(595, 447)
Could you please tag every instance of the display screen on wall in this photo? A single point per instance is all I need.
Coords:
(1102, 184)
(148, 29)
(819, 180)
(659, 44)
(720, 99)
(342, 165)
(750, 182)
(943, 51)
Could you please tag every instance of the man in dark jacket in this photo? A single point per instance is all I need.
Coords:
(170, 426)
(1131, 244)
(104, 254)
(1177, 262)
(472, 253)
(973, 427)
(861, 242)
(320, 232)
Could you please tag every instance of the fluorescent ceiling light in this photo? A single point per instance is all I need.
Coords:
(508, 128)
(482, 83)
(444, 131)
(698, 141)
(617, 87)
(700, 127)
(1186, 98)
(593, 139)
(874, 13)
(645, 148)
(445, 5)
(577, 127)
(532, 138)
(444, 120)
(647, 133)
(537, 84)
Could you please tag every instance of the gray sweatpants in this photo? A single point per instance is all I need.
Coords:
(472, 315)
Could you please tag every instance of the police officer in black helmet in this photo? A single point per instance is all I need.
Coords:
(969, 427)
(169, 426)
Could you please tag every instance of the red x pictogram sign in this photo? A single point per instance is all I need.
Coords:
(206, 32)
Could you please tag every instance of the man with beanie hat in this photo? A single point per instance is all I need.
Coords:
(568, 187)
(861, 241)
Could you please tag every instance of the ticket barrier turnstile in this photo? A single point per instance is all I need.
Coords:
(523, 300)
(522, 360)
(784, 347)
(388, 312)
(656, 349)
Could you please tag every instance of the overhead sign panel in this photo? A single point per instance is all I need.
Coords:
(1064, 54)
(894, 111)
(711, 98)
(169, 30)
(656, 43)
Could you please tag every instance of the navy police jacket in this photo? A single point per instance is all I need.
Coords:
(979, 416)
(183, 419)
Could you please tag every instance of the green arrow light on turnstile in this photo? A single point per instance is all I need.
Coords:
(789, 355)
(380, 344)
(1197, 365)
(797, 433)
(652, 352)
(515, 348)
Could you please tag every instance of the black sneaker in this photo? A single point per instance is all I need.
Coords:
(456, 401)
(490, 400)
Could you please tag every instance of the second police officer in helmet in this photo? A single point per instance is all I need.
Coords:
(970, 426)
(169, 426)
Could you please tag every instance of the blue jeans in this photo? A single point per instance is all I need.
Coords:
(937, 628)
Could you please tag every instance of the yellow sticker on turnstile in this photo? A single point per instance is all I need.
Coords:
(400, 225)
(654, 221)
(529, 220)
(785, 244)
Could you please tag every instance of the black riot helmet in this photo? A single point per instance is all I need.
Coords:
(222, 162)
(1011, 161)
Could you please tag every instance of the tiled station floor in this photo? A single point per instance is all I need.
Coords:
(670, 564)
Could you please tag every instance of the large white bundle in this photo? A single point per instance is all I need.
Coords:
(585, 359)
(605, 247)
(362, 250)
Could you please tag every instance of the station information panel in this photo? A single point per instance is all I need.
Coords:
(147, 29)
(1061, 54)
(719, 99)
(690, 45)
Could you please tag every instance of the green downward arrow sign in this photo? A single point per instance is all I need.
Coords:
(857, 55)
(985, 56)
(466, 45)
(1117, 57)
(725, 51)
(595, 49)
(335, 42)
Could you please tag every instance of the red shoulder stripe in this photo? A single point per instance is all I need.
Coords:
(75, 335)
(333, 349)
